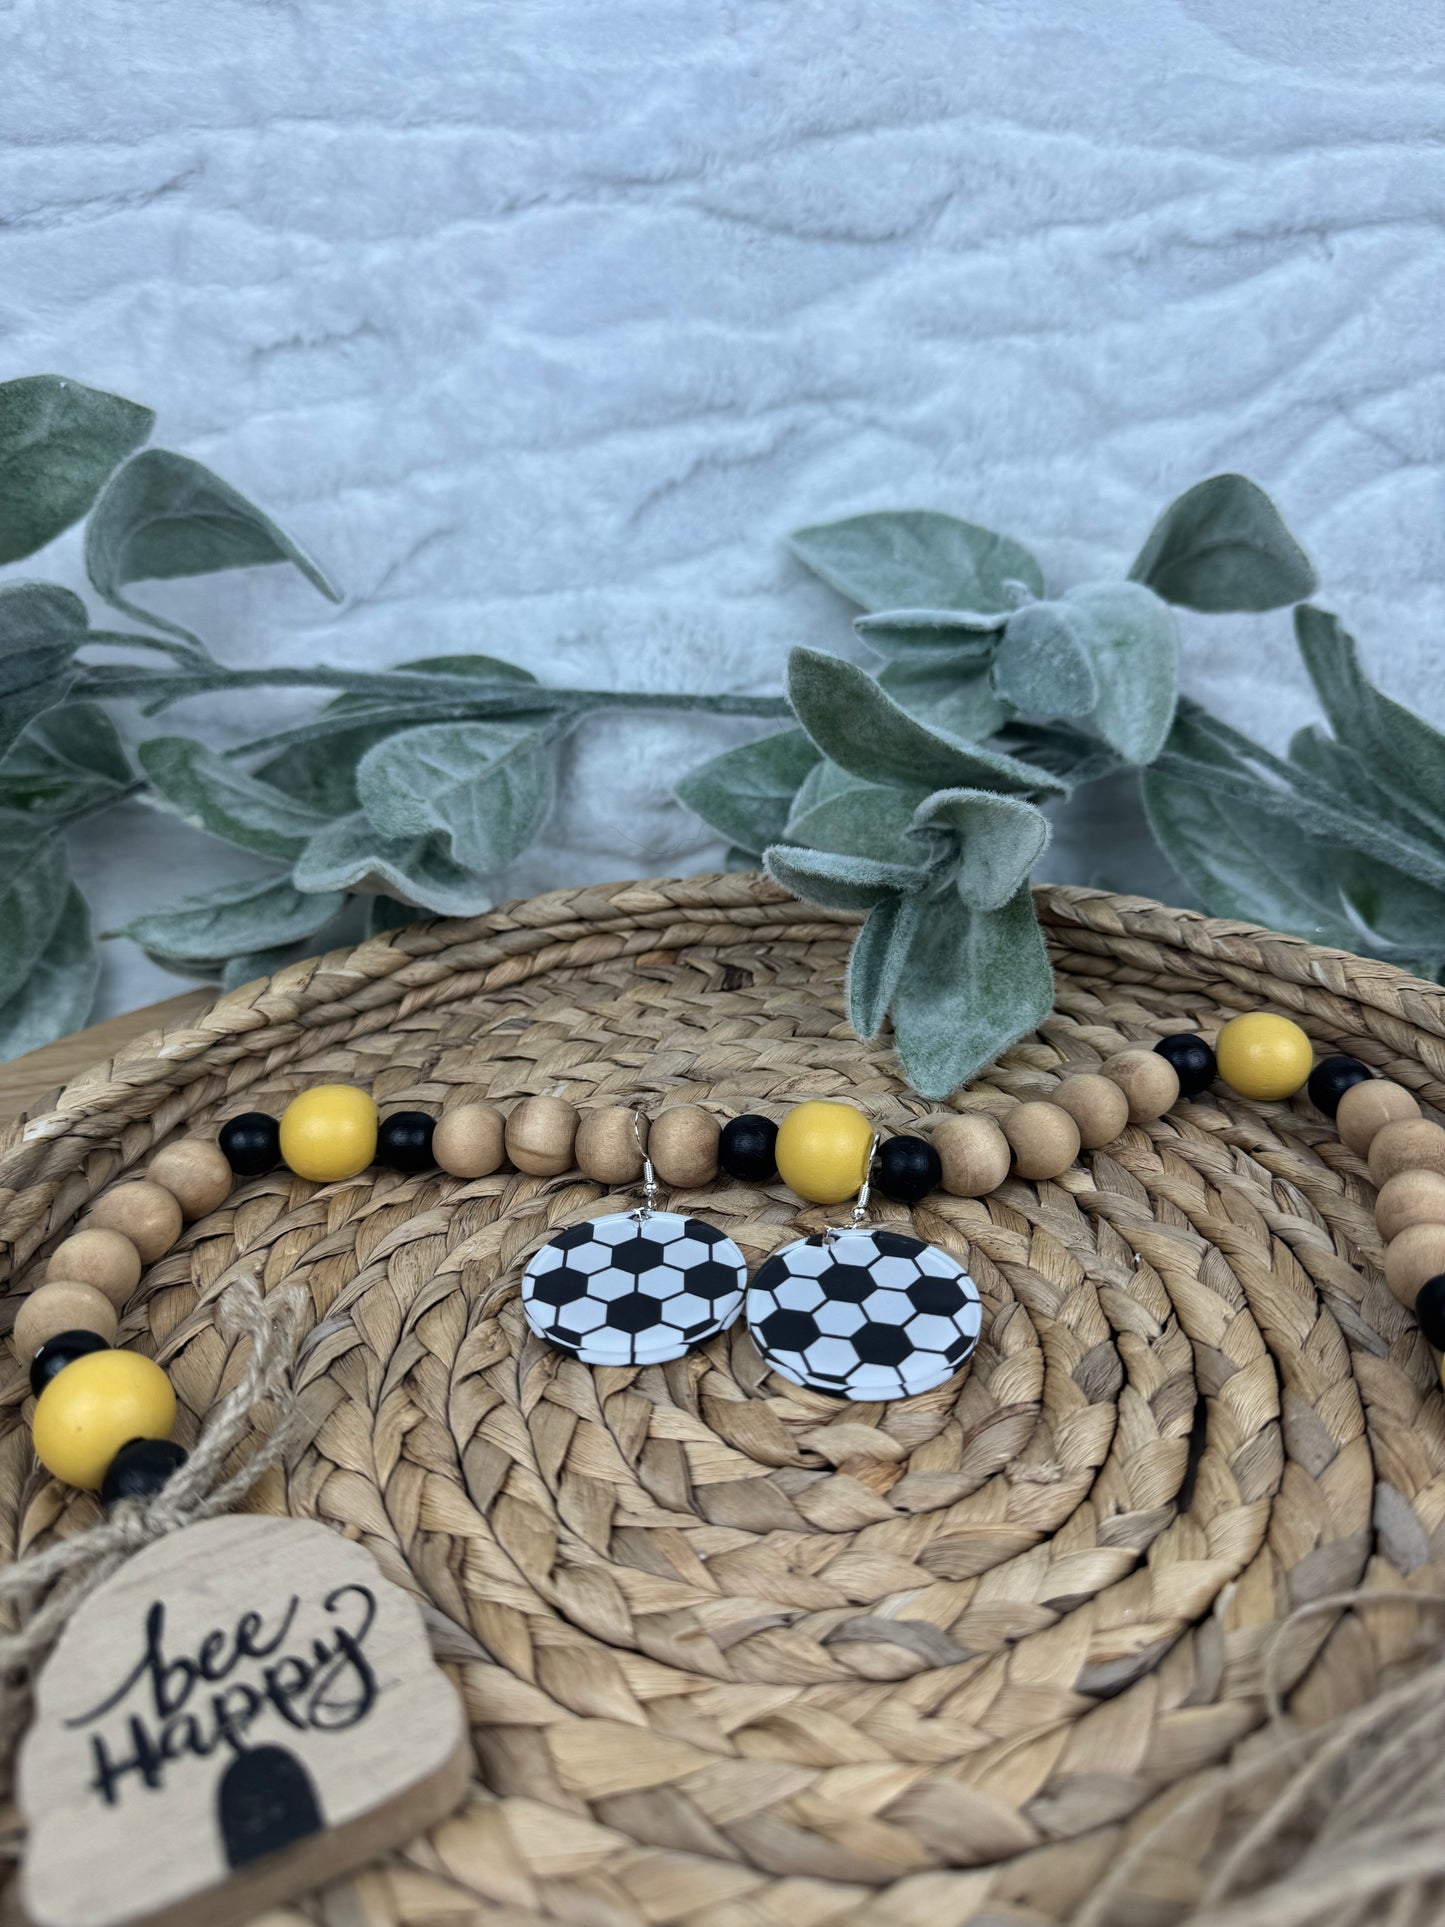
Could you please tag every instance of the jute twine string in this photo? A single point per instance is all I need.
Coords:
(738, 1656)
(63, 1573)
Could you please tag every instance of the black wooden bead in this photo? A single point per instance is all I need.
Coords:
(140, 1469)
(252, 1144)
(1430, 1310)
(1331, 1078)
(58, 1352)
(746, 1148)
(1192, 1059)
(908, 1169)
(403, 1141)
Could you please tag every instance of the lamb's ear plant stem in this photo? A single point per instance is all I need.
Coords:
(920, 797)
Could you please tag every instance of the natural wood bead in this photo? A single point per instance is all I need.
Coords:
(61, 1305)
(145, 1213)
(1096, 1104)
(540, 1134)
(1410, 1197)
(683, 1146)
(974, 1154)
(1149, 1082)
(1367, 1108)
(1412, 1256)
(106, 1259)
(1409, 1144)
(196, 1174)
(470, 1142)
(610, 1144)
(1044, 1139)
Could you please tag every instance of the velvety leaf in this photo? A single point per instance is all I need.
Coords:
(916, 559)
(256, 913)
(69, 759)
(975, 982)
(486, 787)
(746, 793)
(1401, 914)
(1242, 862)
(34, 889)
(958, 636)
(163, 516)
(1070, 755)
(837, 881)
(1223, 545)
(58, 442)
(474, 668)
(949, 695)
(41, 627)
(1372, 790)
(877, 960)
(860, 819)
(320, 773)
(1133, 642)
(352, 854)
(1043, 665)
(1000, 838)
(1387, 735)
(212, 794)
(857, 724)
(57, 996)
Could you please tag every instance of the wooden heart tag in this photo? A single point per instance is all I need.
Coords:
(245, 1710)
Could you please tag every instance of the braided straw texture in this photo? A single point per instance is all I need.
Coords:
(735, 1654)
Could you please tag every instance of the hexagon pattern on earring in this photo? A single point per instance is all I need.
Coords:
(864, 1314)
(634, 1288)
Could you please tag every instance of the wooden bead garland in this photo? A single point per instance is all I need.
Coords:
(92, 1273)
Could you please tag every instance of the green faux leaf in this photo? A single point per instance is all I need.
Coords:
(41, 627)
(1000, 839)
(746, 793)
(69, 760)
(1044, 666)
(953, 696)
(163, 516)
(839, 882)
(1223, 545)
(256, 913)
(958, 636)
(857, 724)
(56, 997)
(212, 794)
(916, 559)
(878, 958)
(34, 889)
(318, 764)
(1387, 735)
(485, 787)
(975, 982)
(1133, 642)
(1373, 790)
(1401, 914)
(1070, 755)
(352, 854)
(859, 819)
(58, 443)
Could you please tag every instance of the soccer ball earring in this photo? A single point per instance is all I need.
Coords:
(635, 1287)
(864, 1314)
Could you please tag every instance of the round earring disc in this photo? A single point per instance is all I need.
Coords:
(873, 1315)
(625, 1290)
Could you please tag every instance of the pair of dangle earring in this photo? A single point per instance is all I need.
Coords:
(856, 1312)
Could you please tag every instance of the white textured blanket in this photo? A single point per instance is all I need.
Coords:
(542, 321)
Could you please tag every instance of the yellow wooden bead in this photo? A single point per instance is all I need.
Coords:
(329, 1133)
(95, 1406)
(1261, 1055)
(822, 1151)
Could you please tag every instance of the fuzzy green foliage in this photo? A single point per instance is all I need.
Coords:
(919, 798)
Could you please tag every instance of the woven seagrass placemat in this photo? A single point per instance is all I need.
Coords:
(735, 1654)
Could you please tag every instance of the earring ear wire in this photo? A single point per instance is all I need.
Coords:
(859, 1212)
(649, 1177)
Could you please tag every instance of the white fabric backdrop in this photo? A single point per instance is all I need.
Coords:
(541, 322)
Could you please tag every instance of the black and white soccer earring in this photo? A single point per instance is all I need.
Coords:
(864, 1314)
(636, 1287)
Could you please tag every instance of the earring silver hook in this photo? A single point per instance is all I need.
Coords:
(860, 1203)
(649, 1177)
